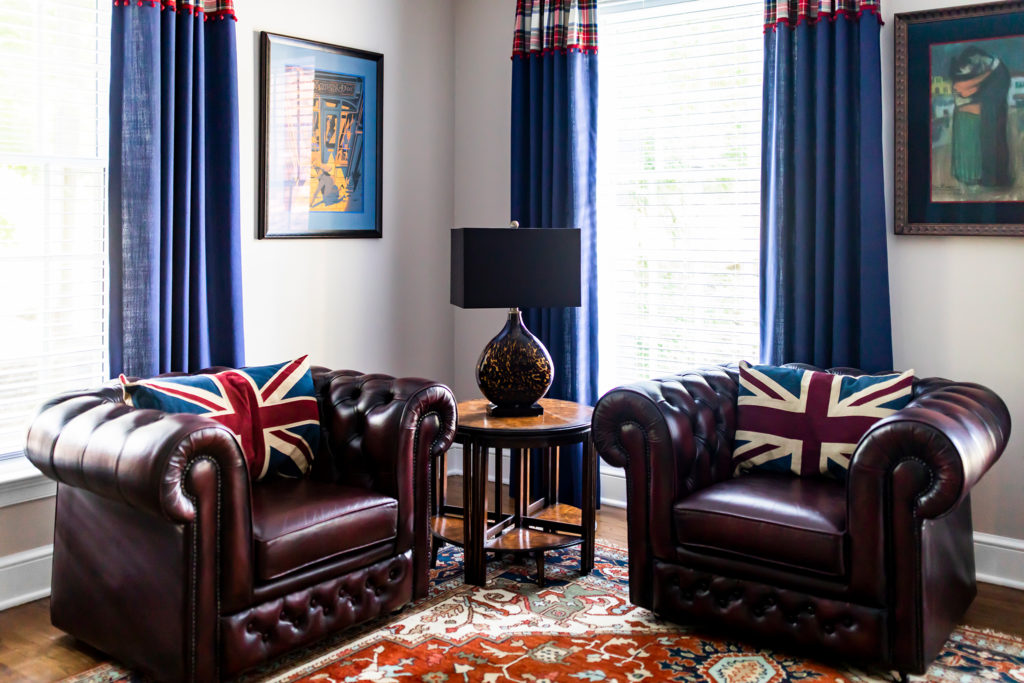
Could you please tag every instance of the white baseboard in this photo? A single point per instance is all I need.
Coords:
(999, 560)
(25, 576)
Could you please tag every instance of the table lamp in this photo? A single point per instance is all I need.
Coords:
(512, 268)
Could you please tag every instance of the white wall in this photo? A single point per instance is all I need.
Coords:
(958, 312)
(483, 115)
(377, 305)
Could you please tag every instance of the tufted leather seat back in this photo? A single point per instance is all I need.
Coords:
(878, 569)
(156, 524)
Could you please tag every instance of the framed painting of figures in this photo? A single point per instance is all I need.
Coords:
(320, 139)
(960, 120)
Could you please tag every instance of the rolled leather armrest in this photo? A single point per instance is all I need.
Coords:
(384, 433)
(955, 431)
(673, 436)
(94, 441)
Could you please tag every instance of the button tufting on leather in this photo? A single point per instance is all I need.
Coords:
(250, 627)
(283, 617)
(848, 622)
(312, 603)
(266, 636)
(393, 574)
(829, 629)
(379, 590)
(809, 609)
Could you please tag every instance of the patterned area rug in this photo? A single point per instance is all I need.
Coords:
(574, 629)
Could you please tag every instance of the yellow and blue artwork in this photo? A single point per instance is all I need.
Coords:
(321, 140)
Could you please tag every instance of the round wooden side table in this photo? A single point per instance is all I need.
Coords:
(538, 521)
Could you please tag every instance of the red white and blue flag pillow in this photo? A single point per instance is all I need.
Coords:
(271, 410)
(808, 423)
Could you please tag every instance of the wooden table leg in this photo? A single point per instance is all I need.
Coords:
(499, 467)
(589, 506)
(476, 570)
(540, 567)
(551, 470)
(520, 487)
(476, 517)
(438, 498)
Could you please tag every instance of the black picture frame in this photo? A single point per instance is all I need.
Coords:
(952, 173)
(320, 140)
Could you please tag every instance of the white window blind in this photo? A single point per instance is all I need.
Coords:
(679, 139)
(54, 75)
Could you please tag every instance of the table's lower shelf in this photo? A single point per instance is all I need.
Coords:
(562, 513)
(449, 528)
(452, 529)
(521, 540)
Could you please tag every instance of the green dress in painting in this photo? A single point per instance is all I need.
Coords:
(981, 155)
(967, 147)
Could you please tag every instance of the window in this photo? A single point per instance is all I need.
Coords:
(54, 77)
(679, 168)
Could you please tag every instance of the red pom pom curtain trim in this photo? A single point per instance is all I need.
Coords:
(545, 27)
(792, 13)
(209, 9)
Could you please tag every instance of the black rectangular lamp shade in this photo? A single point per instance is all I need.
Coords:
(515, 267)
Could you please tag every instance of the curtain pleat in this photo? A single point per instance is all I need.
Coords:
(824, 267)
(175, 264)
(553, 152)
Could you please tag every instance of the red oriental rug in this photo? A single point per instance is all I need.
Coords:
(576, 629)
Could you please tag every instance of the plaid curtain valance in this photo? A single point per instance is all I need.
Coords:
(210, 9)
(792, 12)
(544, 26)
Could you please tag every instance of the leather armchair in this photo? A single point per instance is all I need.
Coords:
(167, 558)
(877, 570)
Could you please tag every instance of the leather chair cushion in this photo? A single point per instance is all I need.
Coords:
(785, 520)
(296, 523)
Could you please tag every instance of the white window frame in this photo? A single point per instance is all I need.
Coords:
(20, 481)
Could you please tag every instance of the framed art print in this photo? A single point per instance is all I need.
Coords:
(960, 120)
(320, 139)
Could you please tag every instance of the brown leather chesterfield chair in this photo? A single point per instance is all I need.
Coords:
(877, 570)
(166, 558)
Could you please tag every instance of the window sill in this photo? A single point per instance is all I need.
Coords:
(21, 482)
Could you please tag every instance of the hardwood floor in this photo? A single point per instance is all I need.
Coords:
(33, 650)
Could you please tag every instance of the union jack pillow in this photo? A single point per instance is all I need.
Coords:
(271, 410)
(808, 423)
